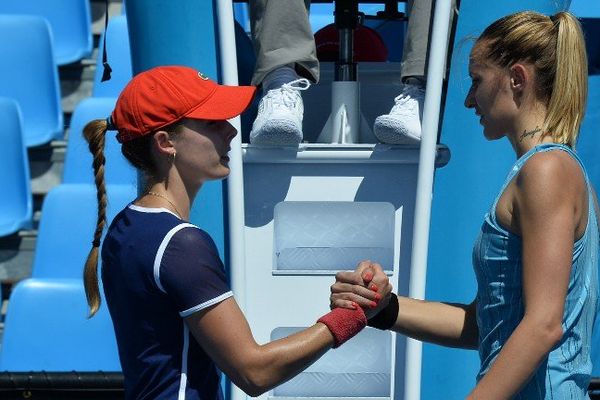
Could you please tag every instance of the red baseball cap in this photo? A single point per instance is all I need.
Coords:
(161, 96)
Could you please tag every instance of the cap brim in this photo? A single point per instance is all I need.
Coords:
(225, 103)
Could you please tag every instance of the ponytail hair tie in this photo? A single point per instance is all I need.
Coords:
(109, 124)
(96, 243)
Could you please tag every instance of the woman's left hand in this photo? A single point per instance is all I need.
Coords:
(368, 287)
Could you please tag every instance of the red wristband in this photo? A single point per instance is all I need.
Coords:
(344, 323)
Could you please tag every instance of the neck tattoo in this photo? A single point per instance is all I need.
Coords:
(529, 133)
(162, 196)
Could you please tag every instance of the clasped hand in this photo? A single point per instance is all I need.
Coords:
(367, 287)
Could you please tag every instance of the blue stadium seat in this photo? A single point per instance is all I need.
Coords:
(78, 161)
(16, 200)
(67, 227)
(47, 329)
(119, 59)
(70, 22)
(29, 75)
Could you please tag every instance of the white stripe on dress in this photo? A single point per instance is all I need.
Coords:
(207, 303)
(184, 356)
(161, 252)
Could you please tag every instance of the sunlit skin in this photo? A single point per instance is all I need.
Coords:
(491, 99)
(196, 153)
(201, 149)
(504, 100)
(546, 205)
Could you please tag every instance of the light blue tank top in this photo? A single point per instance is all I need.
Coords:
(497, 262)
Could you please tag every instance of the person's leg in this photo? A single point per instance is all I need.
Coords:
(282, 36)
(416, 40)
(286, 62)
(403, 123)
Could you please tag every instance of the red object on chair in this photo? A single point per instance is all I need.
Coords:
(368, 44)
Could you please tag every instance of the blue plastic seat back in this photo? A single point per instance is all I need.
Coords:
(67, 227)
(16, 200)
(47, 329)
(119, 59)
(70, 22)
(78, 160)
(29, 75)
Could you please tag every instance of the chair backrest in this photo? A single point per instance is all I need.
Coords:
(29, 75)
(47, 329)
(70, 22)
(78, 160)
(119, 59)
(16, 200)
(67, 227)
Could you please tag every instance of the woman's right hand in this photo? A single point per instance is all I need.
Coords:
(367, 286)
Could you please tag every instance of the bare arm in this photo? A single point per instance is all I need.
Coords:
(545, 201)
(447, 324)
(225, 335)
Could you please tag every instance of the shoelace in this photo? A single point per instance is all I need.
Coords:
(408, 93)
(287, 94)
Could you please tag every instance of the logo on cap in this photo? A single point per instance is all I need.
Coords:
(202, 76)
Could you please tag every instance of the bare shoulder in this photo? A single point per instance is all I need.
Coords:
(551, 172)
(550, 181)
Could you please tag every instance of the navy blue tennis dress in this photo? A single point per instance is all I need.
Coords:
(156, 270)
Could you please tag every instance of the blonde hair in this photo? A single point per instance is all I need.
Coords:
(555, 47)
(95, 134)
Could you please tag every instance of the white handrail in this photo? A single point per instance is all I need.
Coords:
(235, 182)
(431, 113)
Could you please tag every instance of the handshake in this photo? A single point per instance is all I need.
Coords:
(367, 287)
(359, 298)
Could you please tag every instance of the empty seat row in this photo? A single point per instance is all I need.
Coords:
(31, 114)
(16, 201)
(70, 24)
(67, 226)
(16, 204)
(46, 328)
(29, 75)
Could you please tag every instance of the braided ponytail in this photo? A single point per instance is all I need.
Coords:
(95, 133)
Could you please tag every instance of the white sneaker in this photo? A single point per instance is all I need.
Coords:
(403, 124)
(280, 112)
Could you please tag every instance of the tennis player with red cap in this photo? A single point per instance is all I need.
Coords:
(175, 317)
